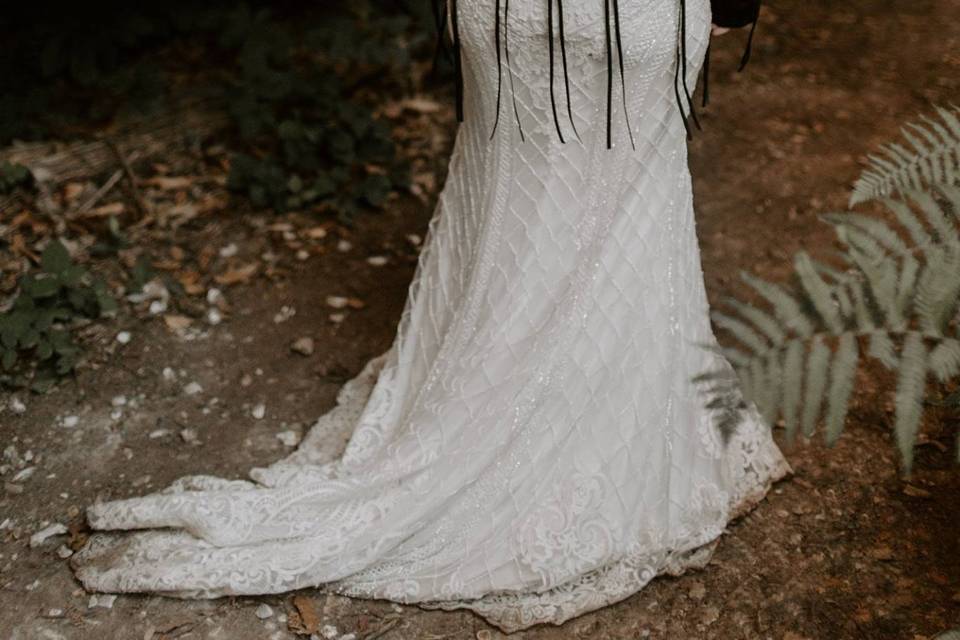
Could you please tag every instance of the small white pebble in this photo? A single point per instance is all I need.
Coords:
(337, 302)
(159, 433)
(69, 422)
(116, 414)
(344, 246)
(329, 631)
(189, 436)
(414, 239)
(157, 307)
(302, 255)
(169, 374)
(56, 529)
(264, 611)
(259, 411)
(214, 295)
(102, 600)
(24, 474)
(124, 337)
(17, 406)
(228, 251)
(337, 318)
(53, 613)
(119, 401)
(377, 261)
(64, 551)
(193, 389)
(289, 438)
(214, 316)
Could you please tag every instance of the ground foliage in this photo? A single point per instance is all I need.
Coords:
(299, 79)
(891, 294)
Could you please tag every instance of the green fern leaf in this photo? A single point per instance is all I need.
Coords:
(763, 321)
(818, 363)
(938, 289)
(818, 292)
(841, 385)
(935, 215)
(909, 397)
(931, 163)
(878, 230)
(882, 348)
(945, 359)
(741, 331)
(910, 221)
(786, 308)
(792, 386)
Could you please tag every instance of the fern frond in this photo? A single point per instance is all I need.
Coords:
(876, 230)
(945, 359)
(910, 220)
(792, 386)
(741, 331)
(938, 289)
(882, 348)
(841, 385)
(818, 292)
(909, 396)
(818, 364)
(935, 160)
(762, 320)
(786, 308)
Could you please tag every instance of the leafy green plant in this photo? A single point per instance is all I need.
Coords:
(309, 139)
(891, 296)
(13, 176)
(36, 343)
(932, 159)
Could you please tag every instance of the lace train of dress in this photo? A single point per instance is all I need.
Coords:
(531, 446)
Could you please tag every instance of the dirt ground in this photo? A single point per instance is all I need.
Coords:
(843, 549)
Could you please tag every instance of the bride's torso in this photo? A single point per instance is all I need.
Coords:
(649, 34)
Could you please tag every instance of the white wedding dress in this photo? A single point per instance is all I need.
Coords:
(531, 446)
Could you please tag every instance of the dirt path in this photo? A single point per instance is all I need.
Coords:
(844, 549)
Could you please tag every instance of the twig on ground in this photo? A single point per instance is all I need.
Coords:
(131, 177)
(96, 197)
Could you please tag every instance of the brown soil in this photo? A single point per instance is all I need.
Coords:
(843, 549)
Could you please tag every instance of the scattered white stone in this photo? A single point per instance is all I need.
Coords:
(377, 261)
(289, 438)
(124, 337)
(214, 316)
(157, 307)
(69, 422)
(53, 613)
(397, 608)
(189, 436)
(55, 529)
(33, 585)
(159, 433)
(229, 250)
(344, 246)
(337, 302)
(193, 389)
(17, 406)
(24, 474)
(329, 631)
(64, 551)
(264, 611)
(116, 414)
(414, 239)
(214, 295)
(302, 255)
(303, 346)
(169, 374)
(259, 411)
(337, 318)
(348, 636)
(102, 600)
(119, 401)
(284, 314)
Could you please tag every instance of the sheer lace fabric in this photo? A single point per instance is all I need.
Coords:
(530, 446)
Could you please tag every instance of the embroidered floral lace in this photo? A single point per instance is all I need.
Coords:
(531, 446)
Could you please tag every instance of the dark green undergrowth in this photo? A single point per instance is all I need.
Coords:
(300, 80)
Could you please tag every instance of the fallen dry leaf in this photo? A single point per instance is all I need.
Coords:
(170, 183)
(176, 322)
(238, 275)
(307, 619)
